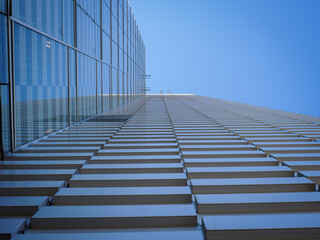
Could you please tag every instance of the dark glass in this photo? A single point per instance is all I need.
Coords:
(87, 86)
(41, 85)
(5, 118)
(3, 6)
(4, 78)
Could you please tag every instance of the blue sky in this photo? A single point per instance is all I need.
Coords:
(261, 52)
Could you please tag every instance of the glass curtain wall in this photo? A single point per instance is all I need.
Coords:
(63, 61)
(5, 129)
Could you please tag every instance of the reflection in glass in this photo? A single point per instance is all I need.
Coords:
(54, 17)
(55, 85)
(3, 6)
(88, 34)
(5, 118)
(120, 89)
(92, 8)
(67, 23)
(105, 18)
(114, 54)
(114, 6)
(106, 87)
(41, 85)
(73, 86)
(106, 53)
(3, 50)
(87, 87)
(99, 88)
(114, 87)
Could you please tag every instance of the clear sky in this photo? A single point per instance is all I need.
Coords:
(261, 52)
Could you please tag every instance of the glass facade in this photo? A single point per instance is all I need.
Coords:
(41, 85)
(3, 50)
(69, 60)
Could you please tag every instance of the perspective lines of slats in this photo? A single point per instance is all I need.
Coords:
(182, 167)
(122, 180)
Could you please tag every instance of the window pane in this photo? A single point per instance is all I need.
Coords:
(107, 2)
(121, 38)
(67, 29)
(120, 59)
(105, 18)
(86, 86)
(114, 7)
(114, 87)
(125, 87)
(114, 29)
(88, 34)
(120, 91)
(106, 53)
(41, 85)
(3, 6)
(73, 86)
(43, 15)
(5, 118)
(92, 8)
(114, 54)
(99, 89)
(3, 50)
(106, 87)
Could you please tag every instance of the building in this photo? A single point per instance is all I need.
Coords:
(86, 154)
(63, 61)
